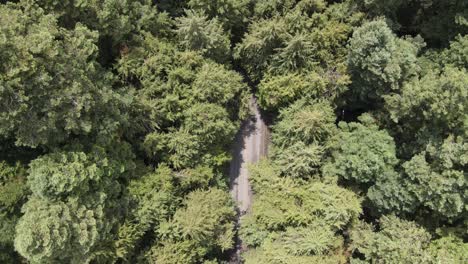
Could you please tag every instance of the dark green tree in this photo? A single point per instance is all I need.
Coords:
(233, 14)
(438, 101)
(113, 19)
(433, 182)
(196, 32)
(256, 50)
(438, 21)
(361, 152)
(13, 194)
(378, 61)
(52, 87)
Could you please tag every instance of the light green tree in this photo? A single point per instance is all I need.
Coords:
(295, 55)
(216, 84)
(203, 225)
(155, 199)
(457, 53)
(277, 91)
(57, 232)
(448, 249)
(299, 160)
(296, 221)
(304, 121)
(75, 205)
(397, 241)
(265, 8)
(202, 137)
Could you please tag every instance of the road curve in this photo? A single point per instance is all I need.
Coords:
(250, 145)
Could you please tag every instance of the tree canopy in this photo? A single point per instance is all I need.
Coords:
(119, 120)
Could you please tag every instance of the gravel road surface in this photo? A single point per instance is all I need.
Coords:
(251, 144)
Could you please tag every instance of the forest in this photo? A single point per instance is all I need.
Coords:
(117, 120)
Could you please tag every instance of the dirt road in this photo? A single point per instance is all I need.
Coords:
(250, 145)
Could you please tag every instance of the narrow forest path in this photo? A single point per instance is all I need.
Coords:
(250, 145)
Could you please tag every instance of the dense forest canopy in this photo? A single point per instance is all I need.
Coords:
(117, 119)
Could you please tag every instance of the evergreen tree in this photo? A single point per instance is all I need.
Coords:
(197, 32)
(52, 87)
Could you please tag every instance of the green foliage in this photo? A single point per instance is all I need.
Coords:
(233, 14)
(13, 188)
(379, 61)
(200, 177)
(277, 91)
(177, 252)
(56, 232)
(294, 55)
(298, 41)
(259, 44)
(74, 207)
(216, 84)
(438, 21)
(13, 193)
(183, 148)
(186, 111)
(437, 101)
(443, 192)
(299, 160)
(205, 127)
(210, 122)
(196, 32)
(52, 88)
(397, 241)
(299, 245)
(329, 41)
(449, 249)
(443, 95)
(457, 53)
(433, 180)
(58, 175)
(304, 121)
(315, 241)
(155, 198)
(117, 118)
(207, 218)
(275, 254)
(253, 233)
(112, 18)
(265, 8)
(296, 221)
(203, 225)
(361, 152)
(295, 203)
(187, 107)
